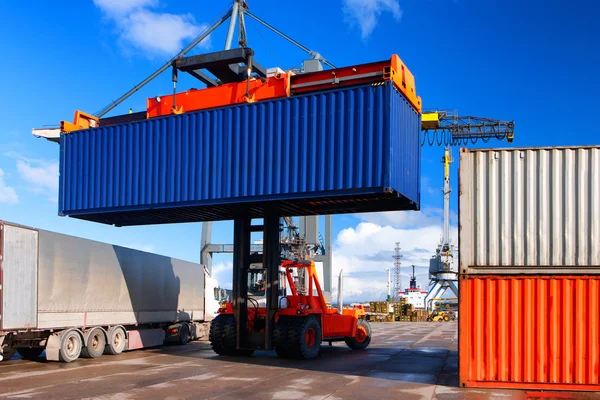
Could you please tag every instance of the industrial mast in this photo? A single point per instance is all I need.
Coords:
(441, 273)
(413, 279)
(397, 271)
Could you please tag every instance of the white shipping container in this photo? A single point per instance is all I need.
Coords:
(529, 210)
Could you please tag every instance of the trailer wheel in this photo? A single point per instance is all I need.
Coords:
(30, 353)
(70, 346)
(8, 353)
(363, 336)
(95, 345)
(116, 341)
(280, 336)
(304, 338)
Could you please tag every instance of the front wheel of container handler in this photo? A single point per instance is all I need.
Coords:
(216, 336)
(280, 336)
(230, 333)
(222, 336)
(304, 338)
(30, 353)
(117, 340)
(362, 338)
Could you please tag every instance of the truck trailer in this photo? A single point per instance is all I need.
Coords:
(75, 297)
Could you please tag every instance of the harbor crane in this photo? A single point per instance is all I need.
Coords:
(449, 129)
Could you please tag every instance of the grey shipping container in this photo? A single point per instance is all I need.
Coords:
(53, 283)
(529, 210)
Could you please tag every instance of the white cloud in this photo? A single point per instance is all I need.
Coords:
(409, 219)
(153, 33)
(42, 175)
(366, 13)
(121, 7)
(8, 195)
(223, 273)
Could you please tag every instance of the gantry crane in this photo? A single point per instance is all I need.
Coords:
(449, 129)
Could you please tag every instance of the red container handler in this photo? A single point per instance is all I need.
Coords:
(538, 332)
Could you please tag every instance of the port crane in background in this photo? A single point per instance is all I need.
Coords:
(449, 129)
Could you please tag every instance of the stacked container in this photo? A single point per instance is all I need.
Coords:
(530, 268)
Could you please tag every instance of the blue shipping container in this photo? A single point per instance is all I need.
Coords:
(340, 151)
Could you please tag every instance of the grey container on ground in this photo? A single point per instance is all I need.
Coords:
(529, 210)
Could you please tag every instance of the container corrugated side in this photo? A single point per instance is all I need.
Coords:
(318, 153)
(530, 332)
(18, 277)
(530, 210)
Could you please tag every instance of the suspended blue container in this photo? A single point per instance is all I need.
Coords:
(339, 151)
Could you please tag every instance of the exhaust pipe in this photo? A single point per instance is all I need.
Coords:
(340, 298)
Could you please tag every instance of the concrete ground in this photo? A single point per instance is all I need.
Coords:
(404, 361)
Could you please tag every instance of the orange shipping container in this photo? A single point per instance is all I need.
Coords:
(530, 332)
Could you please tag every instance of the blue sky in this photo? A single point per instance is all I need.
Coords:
(535, 62)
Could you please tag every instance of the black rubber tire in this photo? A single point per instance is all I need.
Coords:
(297, 346)
(30, 353)
(222, 336)
(70, 346)
(280, 336)
(96, 344)
(216, 335)
(8, 353)
(355, 344)
(229, 334)
(117, 340)
(184, 335)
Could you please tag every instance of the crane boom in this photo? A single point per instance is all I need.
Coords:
(449, 129)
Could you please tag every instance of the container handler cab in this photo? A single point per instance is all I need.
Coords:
(302, 319)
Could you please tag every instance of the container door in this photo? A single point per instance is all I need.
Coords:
(19, 278)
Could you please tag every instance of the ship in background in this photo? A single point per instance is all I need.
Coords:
(414, 294)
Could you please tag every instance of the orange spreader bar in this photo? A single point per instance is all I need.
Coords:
(220, 96)
(393, 70)
(287, 84)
